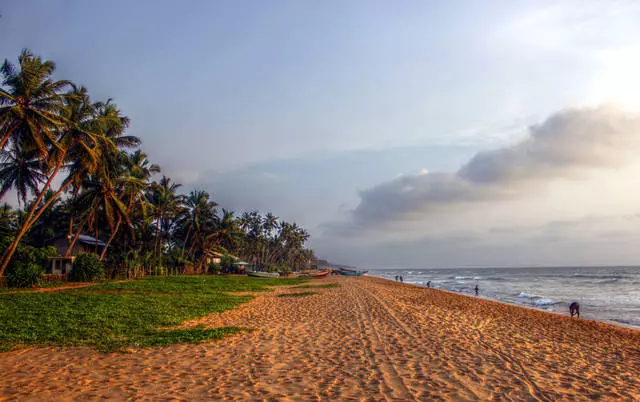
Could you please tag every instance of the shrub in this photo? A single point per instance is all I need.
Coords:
(278, 268)
(43, 254)
(228, 263)
(27, 264)
(86, 268)
(214, 268)
(23, 274)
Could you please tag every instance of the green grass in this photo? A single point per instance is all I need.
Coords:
(206, 284)
(126, 314)
(318, 286)
(300, 294)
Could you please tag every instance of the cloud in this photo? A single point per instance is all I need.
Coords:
(568, 145)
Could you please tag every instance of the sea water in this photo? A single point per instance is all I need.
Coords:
(609, 294)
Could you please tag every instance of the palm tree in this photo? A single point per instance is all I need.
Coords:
(20, 170)
(80, 144)
(103, 193)
(51, 223)
(227, 231)
(104, 118)
(140, 167)
(197, 222)
(137, 171)
(8, 220)
(31, 103)
(165, 202)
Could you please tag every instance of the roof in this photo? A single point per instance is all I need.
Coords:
(220, 255)
(90, 240)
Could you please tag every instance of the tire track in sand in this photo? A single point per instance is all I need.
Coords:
(459, 385)
(515, 366)
(385, 366)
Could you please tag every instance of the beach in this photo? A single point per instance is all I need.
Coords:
(365, 339)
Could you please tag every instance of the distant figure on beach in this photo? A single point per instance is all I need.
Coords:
(401, 280)
(428, 284)
(574, 309)
(396, 278)
(476, 289)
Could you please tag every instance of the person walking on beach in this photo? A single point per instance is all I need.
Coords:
(428, 284)
(401, 280)
(476, 289)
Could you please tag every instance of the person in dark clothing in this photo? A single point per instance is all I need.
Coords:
(401, 279)
(476, 289)
(574, 309)
(429, 284)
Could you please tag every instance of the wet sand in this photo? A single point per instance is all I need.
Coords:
(369, 339)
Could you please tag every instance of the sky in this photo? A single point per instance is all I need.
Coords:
(399, 133)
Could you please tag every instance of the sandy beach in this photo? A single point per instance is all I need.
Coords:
(367, 339)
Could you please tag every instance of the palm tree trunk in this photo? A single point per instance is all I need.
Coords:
(28, 222)
(113, 234)
(185, 241)
(155, 241)
(76, 237)
(70, 232)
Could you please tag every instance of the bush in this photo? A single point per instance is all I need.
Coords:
(228, 263)
(27, 265)
(214, 268)
(277, 268)
(43, 254)
(86, 268)
(23, 274)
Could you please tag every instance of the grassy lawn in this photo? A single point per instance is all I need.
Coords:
(115, 316)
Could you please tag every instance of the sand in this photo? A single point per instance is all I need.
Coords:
(369, 339)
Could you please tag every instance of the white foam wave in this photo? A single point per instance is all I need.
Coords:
(544, 302)
(524, 295)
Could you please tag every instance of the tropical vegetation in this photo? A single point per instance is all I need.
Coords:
(74, 169)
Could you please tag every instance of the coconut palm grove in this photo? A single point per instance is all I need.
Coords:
(72, 172)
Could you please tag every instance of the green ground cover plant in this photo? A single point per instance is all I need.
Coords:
(117, 316)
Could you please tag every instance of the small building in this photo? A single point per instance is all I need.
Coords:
(84, 244)
(61, 265)
(213, 257)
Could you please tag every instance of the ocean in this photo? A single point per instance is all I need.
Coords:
(610, 294)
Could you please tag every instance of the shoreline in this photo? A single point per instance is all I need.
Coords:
(364, 337)
(608, 322)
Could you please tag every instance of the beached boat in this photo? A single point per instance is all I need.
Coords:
(263, 274)
(320, 274)
(317, 274)
(353, 273)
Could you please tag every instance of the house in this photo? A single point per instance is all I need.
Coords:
(213, 257)
(61, 265)
(84, 244)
